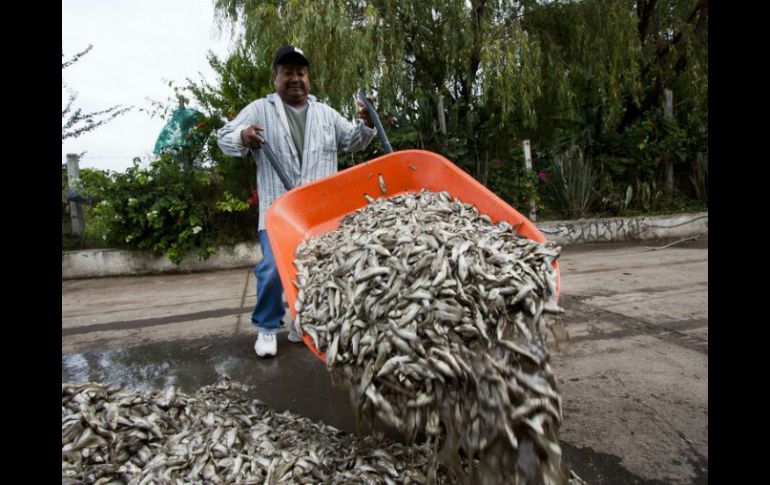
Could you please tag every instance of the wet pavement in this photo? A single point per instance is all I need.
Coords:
(634, 377)
(294, 379)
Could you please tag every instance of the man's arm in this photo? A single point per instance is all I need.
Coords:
(229, 136)
(350, 137)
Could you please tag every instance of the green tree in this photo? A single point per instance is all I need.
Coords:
(561, 73)
(231, 213)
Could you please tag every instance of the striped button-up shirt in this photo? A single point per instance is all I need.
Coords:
(326, 131)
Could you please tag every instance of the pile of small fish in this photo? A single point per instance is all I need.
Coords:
(113, 435)
(435, 318)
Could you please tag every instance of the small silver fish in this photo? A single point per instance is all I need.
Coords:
(383, 187)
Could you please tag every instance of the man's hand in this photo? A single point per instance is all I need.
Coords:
(363, 113)
(252, 139)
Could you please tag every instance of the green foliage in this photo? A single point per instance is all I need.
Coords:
(640, 149)
(243, 77)
(587, 73)
(570, 187)
(611, 199)
(166, 208)
(513, 183)
(231, 204)
(649, 197)
(338, 38)
(95, 184)
(159, 209)
(468, 80)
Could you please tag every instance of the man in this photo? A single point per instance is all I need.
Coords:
(305, 136)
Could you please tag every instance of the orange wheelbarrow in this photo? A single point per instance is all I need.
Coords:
(318, 207)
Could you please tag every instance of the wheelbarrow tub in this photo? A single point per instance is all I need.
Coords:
(318, 207)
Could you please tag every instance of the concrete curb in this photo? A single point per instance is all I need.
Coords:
(115, 262)
(625, 228)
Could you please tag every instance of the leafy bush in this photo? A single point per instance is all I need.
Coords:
(570, 187)
(93, 184)
(161, 208)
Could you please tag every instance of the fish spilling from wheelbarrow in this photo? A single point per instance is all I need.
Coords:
(436, 320)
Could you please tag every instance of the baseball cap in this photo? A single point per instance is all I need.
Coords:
(290, 53)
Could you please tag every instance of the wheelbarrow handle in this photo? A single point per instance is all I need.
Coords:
(376, 120)
(275, 164)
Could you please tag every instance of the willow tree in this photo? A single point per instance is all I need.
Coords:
(471, 78)
(474, 60)
(334, 37)
(616, 58)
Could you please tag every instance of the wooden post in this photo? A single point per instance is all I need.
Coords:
(528, 165)
(73, 182)
(182, 152)
(668, 111)
(441, 118)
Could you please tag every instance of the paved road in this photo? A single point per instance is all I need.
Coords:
(634, 376)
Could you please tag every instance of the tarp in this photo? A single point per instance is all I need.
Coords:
(179, 132)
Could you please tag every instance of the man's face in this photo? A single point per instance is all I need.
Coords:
(292, 83)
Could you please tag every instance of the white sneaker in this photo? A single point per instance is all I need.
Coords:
(293, 335)
(265, 345)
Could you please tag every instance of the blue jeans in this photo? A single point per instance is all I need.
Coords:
(269, 309)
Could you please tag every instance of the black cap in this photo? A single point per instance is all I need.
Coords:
(290, 53)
